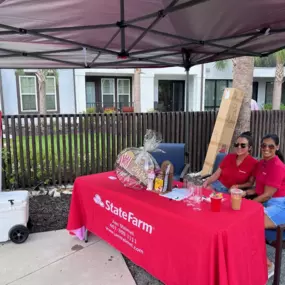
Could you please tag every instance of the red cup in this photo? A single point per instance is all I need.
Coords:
(216, 204)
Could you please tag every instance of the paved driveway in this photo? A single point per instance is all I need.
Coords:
(55, 258)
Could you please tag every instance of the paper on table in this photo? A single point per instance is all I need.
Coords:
(177, 194)
(112, 177)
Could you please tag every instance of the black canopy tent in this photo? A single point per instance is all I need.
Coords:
(132, 33)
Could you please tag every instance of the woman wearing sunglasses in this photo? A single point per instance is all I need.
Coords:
(270, 185)
(236, 169)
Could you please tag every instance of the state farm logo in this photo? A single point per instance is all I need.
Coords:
(97, 199)
(120, 212)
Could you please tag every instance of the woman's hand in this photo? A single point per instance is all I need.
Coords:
(205, 184)
(234, 187)
(250, 192)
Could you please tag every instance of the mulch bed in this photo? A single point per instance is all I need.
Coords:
(49, 214)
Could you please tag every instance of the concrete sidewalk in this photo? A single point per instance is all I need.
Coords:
(55, 258)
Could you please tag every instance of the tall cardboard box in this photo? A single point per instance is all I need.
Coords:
(224, 127)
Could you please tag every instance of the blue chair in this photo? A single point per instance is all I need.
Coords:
(276, 239)
(175, 153)
(219, 158)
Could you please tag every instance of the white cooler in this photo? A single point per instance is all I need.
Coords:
(14, 216)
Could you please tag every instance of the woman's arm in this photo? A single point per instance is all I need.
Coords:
(250, 192)
(267, 195)
(213, 178)
(248, 184)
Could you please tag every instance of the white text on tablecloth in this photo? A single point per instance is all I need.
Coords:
(124, 234)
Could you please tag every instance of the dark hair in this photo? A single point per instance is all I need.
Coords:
(248, 137)
(276, 140)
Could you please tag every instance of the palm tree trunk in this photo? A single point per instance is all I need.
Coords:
(42, 99)
(277, 89)
(242, 79)
(137, 90)
(42, 96)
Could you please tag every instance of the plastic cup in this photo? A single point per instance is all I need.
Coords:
(236, 197)
(216, 204)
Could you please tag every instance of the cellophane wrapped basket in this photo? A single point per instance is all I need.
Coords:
(134, 165)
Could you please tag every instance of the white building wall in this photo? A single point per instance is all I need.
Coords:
(150, 78)
(178, 73)
(107, 72)
(66, 91)
(9, 91)
(211, 72)
(147, 86)
(80, 91)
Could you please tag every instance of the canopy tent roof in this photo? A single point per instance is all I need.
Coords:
(136, 33)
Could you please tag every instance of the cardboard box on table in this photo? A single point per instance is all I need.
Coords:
(224, 127)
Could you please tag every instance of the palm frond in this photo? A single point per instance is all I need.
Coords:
(280, 56)
(20, 72)
(221, 64)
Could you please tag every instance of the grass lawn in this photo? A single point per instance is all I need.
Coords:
(26, 159)
(60, 143)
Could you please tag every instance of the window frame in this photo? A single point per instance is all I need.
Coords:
(20, 94)
(267, 83)
(32, 73)
(55, 94)
(266, 90)
(215, 107)
(89, 104)
(123, 94)
(114, 88)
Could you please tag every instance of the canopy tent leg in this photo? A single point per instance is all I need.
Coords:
(187, 91)
(187, 65)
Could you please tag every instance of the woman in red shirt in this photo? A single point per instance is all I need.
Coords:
(270, 185)
(236, 169)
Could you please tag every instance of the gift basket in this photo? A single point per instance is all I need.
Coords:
(136, 168)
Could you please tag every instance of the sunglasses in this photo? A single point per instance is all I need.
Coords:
(270, 146)
(242, 145)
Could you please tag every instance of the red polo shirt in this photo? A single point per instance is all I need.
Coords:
(270, 173)
(232, 174)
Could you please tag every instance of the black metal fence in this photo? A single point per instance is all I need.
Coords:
(55, 149)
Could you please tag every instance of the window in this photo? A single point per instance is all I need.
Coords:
(108, 91)
(90, 95)
(124, 92)
(269, 93)
(28, 93)
(255, 90)
(51, 103)
(171, 94)
(214, 90)
(221, 85)
(210, 99)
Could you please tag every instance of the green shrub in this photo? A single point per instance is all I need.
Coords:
(91, 110)
(269, 107)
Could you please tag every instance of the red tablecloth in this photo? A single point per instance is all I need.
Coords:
(171, 241)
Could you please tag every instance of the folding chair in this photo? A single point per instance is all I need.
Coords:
(175, 153)
(276, 239)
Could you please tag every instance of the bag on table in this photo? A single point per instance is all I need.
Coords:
(134, 165)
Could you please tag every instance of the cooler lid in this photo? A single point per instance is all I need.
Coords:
(16, 196)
